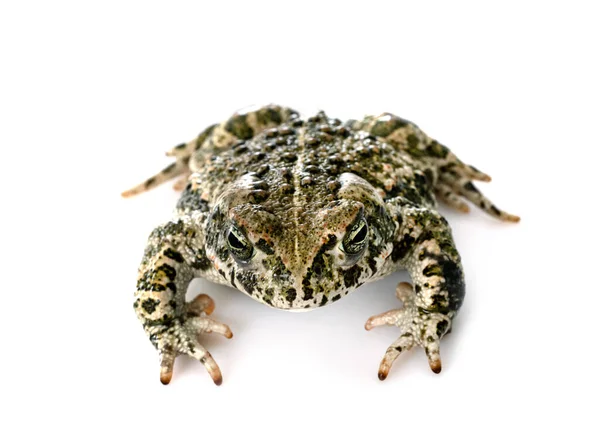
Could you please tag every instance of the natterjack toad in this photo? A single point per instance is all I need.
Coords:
(297, 213)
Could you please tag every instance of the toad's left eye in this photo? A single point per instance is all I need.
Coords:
(356, 239)
(239, 245)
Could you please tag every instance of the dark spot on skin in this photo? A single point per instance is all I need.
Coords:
(351, 276)
(438, 301)
(204, 135)
(455, 284)
(289, 157)
(222, 252)
(412, 141)
(239, 148)
(319, 267)
(422, 183)
(174, 255)
(258, 196)
(232, 278)
(319, 117)
(306, 181)
(172, 287)
(495, 210)
(432, 270)
(424, 237)
(248, 280)
(399, 219)
(149, 182)
(336, 298)
(201, 262)
(470, 187)
(264, 247)
(268, 115)
(154, 287)
(287, 189)
(402, 248)
(268, 296)
(238, 126)
(441, 328)
(290, 295)
(173, 304)
(165, 321)
(190, 200)
(271, 133)
(372, 264)
(308, 293)
(333, 185)
(262, 170)
(324, 300)
(436, 150)
(343, 132)
(430, 177)
(149, 305)
(169, 167)
(386, 128)
(168, 270)
(286, 173)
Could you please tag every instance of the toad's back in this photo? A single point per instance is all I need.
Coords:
(298, 165)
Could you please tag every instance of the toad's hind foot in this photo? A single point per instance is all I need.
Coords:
(171, 171)
(419, 328)
(455, 184)
(182, 338)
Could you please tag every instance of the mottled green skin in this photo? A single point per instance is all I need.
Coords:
(295, 189)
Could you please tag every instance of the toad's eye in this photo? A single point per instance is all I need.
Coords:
(356, 238)
(239, 246)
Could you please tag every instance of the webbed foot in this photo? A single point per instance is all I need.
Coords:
(419, 328)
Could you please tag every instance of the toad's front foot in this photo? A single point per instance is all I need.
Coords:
(418, 327)
(182, 338)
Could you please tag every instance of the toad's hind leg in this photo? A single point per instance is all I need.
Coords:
(451, 178)
(217, 138)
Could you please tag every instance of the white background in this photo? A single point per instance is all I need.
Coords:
(93, 93)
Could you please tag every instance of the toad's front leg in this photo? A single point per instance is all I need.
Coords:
(425, 247)
(174, 326)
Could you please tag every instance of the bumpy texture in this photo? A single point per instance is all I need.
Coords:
(298, 213)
